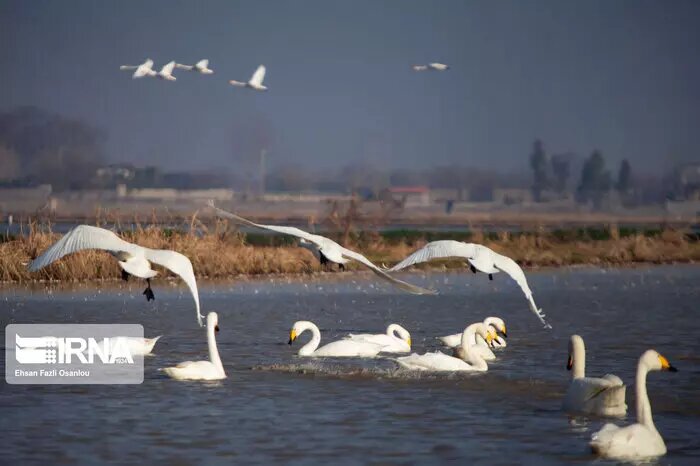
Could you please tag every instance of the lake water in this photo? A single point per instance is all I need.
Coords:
(276, 407)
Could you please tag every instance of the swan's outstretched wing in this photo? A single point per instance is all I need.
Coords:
(202, 63)
(278, 229)
(168, 68)
(382, 274)
(509, 266)
(437, 250)
(180, 66)
(180, 265)
(258, 76)
(80, 238)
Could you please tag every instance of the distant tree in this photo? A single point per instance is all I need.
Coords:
(540, 166)
(624, 178)
(561, 169)
(595, 180)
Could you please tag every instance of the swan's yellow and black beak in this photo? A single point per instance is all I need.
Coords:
(409, 342)
(216, 328)
(292, 336)
(569, 363)
(503, 331)
(489, 338)
(665, 365)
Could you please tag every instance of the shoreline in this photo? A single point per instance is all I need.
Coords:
(224, 254)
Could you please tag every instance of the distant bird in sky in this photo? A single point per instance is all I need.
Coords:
(431, 66)
(202, 66)
(166, 72)
(144, 69)
(255, 83)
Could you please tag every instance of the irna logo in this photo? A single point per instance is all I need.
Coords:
(55, 350)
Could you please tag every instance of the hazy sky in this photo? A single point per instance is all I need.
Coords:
(622, 76)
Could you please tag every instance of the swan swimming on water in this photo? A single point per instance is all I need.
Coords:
(326, 248)
(133, 259)
(479, 345)
(640, 440)
(336, 349)
(142, 70)
(202, 67)
(138, 346)
(452, 341)
(390, 342)
(202, 370)
(480, 259)
(256, 81)
(604, 396)
(438, 361)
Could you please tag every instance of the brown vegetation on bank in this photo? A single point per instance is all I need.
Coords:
(222, 252)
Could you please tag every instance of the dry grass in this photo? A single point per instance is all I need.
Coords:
(223, 253)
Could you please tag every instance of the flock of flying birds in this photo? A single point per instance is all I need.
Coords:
(604, 396)
(255, 83)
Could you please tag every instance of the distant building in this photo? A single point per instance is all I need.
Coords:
(411, 195)
(688, 181)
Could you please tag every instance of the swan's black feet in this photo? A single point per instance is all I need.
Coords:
(149, 294)
(125, 275)
(490, 277)
(341, 267)
(472, 268)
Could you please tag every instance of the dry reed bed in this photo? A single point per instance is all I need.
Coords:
(224, 254)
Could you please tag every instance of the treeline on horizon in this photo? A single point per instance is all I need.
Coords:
(39, 147)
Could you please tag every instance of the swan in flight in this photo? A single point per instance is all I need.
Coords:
(431, 67)
(256, 81)
(390, 342)
(202, 66)
(133, 259)
(452, 341)
(166, 73)
(144, 69)
(438, 361)
(336, 349)
(202, 370)
(480, 259)
(640, 440)
(326, 248)
(604, 396)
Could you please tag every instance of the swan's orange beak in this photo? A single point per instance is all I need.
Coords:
(665, 365)
(569, 363)
(292, 336)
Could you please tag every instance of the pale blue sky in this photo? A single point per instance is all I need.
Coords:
(622, 76)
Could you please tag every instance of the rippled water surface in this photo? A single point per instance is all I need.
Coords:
(276, 407)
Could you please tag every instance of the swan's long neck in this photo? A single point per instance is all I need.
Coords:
(643, 405)
(474, 359)
(213, 350)
(311, 346)
(579, 355)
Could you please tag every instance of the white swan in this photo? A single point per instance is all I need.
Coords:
(256, 81)
(327, 249)
(603, 396)
(202, 67)
(144, 69)
(390, 342)
(166, 73)
(336, 349)
(137, 346)
(452, 341)
(431, 67)
(640, 440)
(441, 362)
(479, 345)
(480, 258)
(133, 259)
(202, 370)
